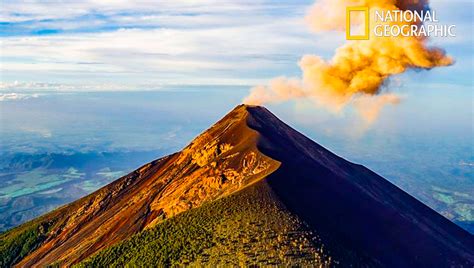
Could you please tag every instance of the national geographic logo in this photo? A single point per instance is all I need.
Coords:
(363, 23)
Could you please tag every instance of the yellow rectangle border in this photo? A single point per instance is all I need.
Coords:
(348, 23)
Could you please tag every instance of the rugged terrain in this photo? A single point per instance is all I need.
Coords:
(250, 190)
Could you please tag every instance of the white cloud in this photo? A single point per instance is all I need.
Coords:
(40, 10)
(239, 42)
(16, 96)
(155, 42)
(239, 53)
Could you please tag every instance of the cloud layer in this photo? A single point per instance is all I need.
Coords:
(127, 44)
(159, 42)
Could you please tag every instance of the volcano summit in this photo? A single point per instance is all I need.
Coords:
(248, 191)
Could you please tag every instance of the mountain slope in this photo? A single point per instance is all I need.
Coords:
(249, 227)
(220, 161)
(357, 215)
(355, 207)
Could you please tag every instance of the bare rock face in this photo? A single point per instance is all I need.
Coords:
(350, 207)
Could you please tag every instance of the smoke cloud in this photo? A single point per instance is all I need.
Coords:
(357, 72)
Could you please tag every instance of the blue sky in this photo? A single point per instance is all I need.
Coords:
(106, 45)
(147, 44)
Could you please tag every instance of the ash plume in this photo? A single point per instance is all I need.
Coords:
(359, 69)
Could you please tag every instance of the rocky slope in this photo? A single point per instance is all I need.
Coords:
(357, 215)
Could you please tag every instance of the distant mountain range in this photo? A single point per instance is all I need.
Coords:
(248, 191)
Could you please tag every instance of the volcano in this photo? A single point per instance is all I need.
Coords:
(248, 191)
